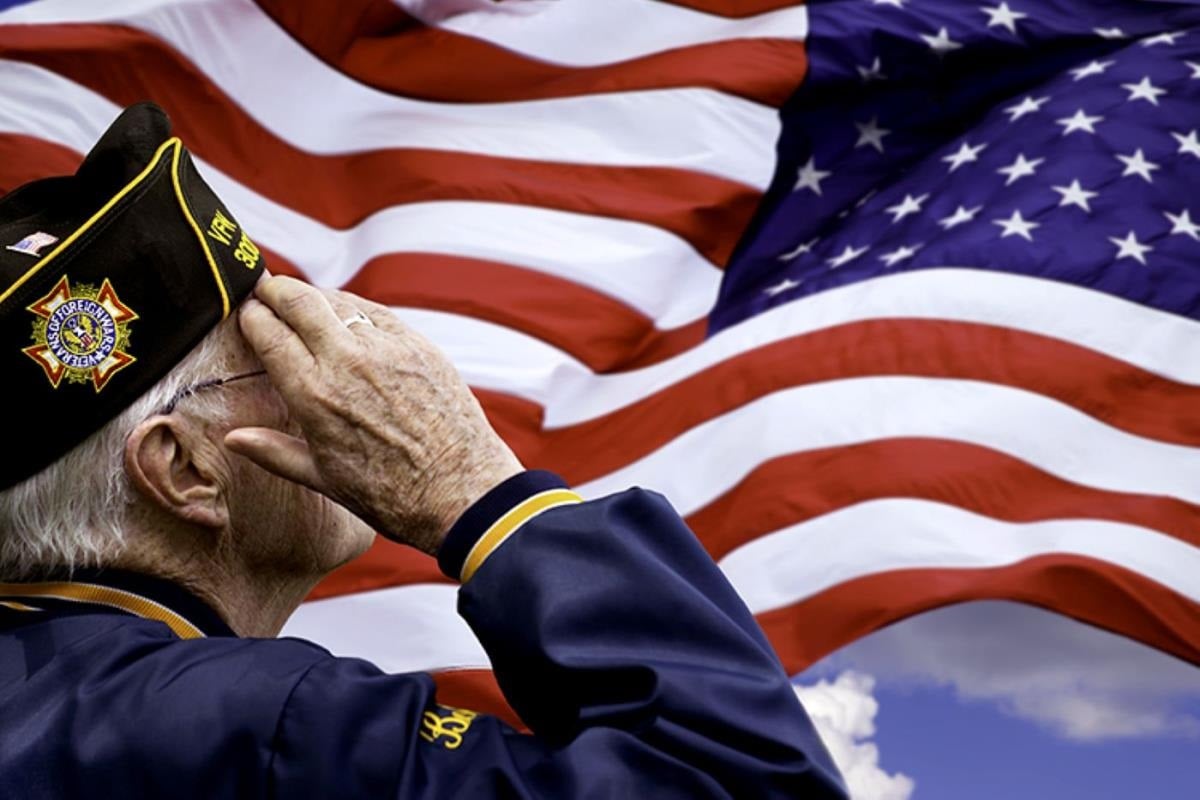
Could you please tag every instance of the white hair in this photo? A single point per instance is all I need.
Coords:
(73, 513)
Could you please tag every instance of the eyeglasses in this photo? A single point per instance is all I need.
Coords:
(211, 383)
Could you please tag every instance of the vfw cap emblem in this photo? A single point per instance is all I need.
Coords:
(81, 333)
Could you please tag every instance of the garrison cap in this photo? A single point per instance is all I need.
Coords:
(108, 279)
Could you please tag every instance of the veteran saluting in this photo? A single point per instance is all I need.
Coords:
(192, 446)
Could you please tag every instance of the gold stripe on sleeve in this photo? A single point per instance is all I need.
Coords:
(508, 524)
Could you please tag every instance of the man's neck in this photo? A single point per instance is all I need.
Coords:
(252, 601)
(256, 606)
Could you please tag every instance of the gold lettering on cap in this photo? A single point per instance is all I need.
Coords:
(247, 252)
(221, 228)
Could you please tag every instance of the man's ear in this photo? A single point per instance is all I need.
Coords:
(161, 462)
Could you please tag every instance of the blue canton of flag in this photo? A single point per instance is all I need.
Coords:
(1055, 139)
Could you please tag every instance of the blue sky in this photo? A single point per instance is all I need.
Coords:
(957, 749)
(996, 700)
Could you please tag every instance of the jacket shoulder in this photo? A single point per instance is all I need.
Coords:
(123, 704)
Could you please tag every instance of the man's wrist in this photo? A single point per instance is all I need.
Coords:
(497, 516)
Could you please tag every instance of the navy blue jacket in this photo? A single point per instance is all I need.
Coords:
(612, 633)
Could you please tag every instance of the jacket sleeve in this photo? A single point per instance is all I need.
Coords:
(615, 637)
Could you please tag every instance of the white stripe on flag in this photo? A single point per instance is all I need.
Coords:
(695, 129)
(416, 627)
(571, 393)
(584, 33)
(789, 565)
(838, 413)
(647, 268)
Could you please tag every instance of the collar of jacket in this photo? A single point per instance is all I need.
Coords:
(109, 591)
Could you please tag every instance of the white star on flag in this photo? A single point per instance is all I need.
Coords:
(1143, 90)
(1110, 33)
(846, 256)
(780, 288)
(941, 43)
(1195, 69)
(1189, 144)
(810, 177)
(1181, 223)
(799, 251)
(1130, 247)
(965, 155)
(1003, 16)
(899, 254)
(872, 73)
(1137, 164)
(1162, 38)
(870, 134)
(1079, 122)
(960, 216)
(909, 205)
(1027, 106)
(1016, 225)
(1020, 168)
(1094, 68)
(1075, 195)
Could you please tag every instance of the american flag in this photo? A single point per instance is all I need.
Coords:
(895, 300)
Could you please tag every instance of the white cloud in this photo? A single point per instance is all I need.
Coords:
(844, 713)
(1081, 682)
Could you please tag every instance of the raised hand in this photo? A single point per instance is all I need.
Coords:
(390, 430)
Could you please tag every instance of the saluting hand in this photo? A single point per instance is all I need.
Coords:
(390, 430)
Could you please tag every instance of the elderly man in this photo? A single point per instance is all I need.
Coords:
(192, 446)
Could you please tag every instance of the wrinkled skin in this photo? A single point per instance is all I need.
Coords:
(390, 430)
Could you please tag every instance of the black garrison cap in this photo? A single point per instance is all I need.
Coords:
(108, 278)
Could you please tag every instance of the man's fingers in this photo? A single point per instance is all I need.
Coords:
(381, 315)
(305, 309)
(342, 307)
(277, 452)
(273, 341)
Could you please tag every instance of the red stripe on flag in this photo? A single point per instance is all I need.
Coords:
(803, 486)
(475, 689)
(519, 423)
(127, 66)
(795, 488)
(1096, 592)
(605, 334)
(602, 332)
(385, 564)
(375, 42)
(278, 265)
(737, 9)
(24, 159)
(1113, 391)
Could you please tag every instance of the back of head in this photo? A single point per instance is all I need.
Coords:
(114, 284)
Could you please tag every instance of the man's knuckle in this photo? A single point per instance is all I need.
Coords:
(296, 302)
(358, 361)
(273, 344)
